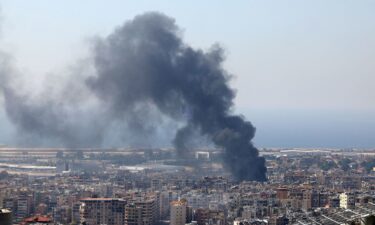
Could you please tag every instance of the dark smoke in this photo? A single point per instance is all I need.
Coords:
(144, 71)
(146, 61)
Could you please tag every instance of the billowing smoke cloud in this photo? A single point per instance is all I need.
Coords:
(143, 72)
(66, 113)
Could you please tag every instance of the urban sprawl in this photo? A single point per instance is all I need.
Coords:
(154, 186)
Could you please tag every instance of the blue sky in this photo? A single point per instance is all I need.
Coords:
(304, 70)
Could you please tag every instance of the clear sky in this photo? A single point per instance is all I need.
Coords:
(305, 71)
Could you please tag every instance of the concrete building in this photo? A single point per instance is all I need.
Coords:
(19, 205)
(62, 214)
(133, 214)
(164, 204)
(76, 213)
(282, 193)
(198, 201)
(10, 203)
(23, 207)
(97, 211)
(347, 200)
(141, 211)
(178, 212)
(5, 217)
(306, 200)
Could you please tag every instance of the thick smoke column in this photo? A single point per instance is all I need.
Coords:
(145, 60)
(142, 72)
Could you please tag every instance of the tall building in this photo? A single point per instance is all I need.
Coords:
(202, 216)
(347, 200)
(306, 200)
(76, 213)
(178, 212)
(10, 203)
(217, 217)
(62, 214)
(5, 217)
(19, 205)
(133, 214)
(23, 206)
(141, 211)
(164, 204)
(282, 193)
(97, 211)
(343, 200)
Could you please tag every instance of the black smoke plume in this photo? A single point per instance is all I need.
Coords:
(144, 69)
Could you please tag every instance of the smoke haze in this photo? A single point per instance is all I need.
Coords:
(143, 81)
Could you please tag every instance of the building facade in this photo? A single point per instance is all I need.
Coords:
(178, 212)
(97, 211)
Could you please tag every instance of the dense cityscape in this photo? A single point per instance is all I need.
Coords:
(187, 112)
(153, 186)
